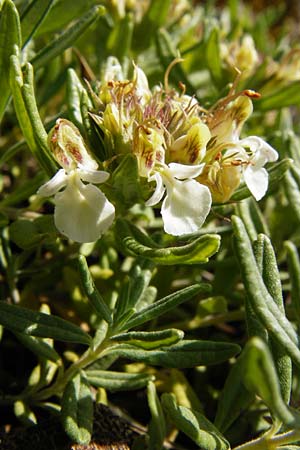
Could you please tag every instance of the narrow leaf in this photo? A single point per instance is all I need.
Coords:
(157, 429)
(32, 323)
(153, 19)
(67, 37)
(74, 94)
(33, 16)
(266, 260)
(149, 340)
(164, 305)
(195, 252)
(284, 96)
(213, 59)
(262, 303)
(260, 376)
(234, 399)
(294, 270)
(132, 290)
(39, 347)
(77, 410)
(181, 355)
(117, 381)
(292, 191)
(10, 35)
(92, 292)
(194, 425)
(27, 113)
(168, 53)
(120, 39)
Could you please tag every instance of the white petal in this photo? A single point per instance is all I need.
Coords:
(256, 181)
(82, 212)
(256, 144)
(54, 185)
(185, 207)
(183, 171)
(159, 190)
(93, 176)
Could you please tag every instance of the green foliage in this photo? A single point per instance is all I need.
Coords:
(203, 326)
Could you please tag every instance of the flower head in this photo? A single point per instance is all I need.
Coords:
(82, 212)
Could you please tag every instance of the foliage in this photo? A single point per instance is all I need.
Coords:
(173, 291)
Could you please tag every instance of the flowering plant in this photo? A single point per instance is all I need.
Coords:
(131, 164)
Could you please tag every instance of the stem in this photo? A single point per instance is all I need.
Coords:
(257, 444)
(285, 438)
(210, 320)
(266, 442)
(86, 359)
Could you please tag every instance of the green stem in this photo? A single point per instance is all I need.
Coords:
(86, 359)
(266, 442)
(197, 322)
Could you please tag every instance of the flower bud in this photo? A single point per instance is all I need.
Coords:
(190, 148)
(68, 147)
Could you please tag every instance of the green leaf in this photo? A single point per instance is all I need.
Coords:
(67, 38)
(260, 376)
(27, 113)
(294, 270)
(39, 347)
(118, 381)
(213, 58)
(149, 340)
(77, 410)
(168, 53)
(74, 93)
(181, 355)
(63, 12)
(284, 96)
(10, 35)
(92, 292)
(262, 303)
(194, 425)
(120, 39)
(132, 292)
(153, 19)
(292, 190)
(276, 173)
(28, 234)
(195, 252)
(164, 305)
(25, 234)
(252, 217)
(267, 264)
(157, 428)
(32, 323)
(33, 16)
(235, 398)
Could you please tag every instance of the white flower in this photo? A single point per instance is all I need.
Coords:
(82, 212)
(187, 202)
(255, 175)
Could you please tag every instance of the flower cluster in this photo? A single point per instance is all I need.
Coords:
(189, 156)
